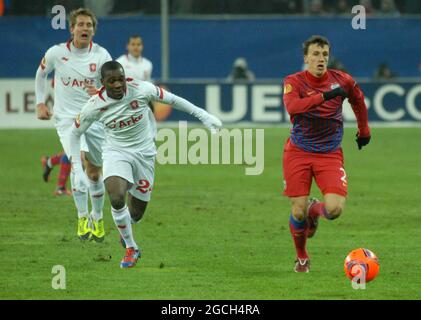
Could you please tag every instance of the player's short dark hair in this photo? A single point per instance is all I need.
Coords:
(316, 39)
(110, 66)
(82, 12)
(135, 36)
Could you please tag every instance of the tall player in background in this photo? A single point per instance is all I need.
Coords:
(314, 98)
(129, 150)
(76, 65)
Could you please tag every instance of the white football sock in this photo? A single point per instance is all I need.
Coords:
(123, 222)
(97, 194)
(81, 200)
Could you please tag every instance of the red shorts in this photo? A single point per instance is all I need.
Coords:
(300, 167)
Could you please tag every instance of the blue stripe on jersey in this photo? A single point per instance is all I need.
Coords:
(315, 134)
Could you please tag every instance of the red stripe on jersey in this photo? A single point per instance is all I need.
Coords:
(90, 46)
(161, 93)
(68, 44)
(100, 93)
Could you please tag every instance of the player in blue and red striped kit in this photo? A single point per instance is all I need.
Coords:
(313, 99)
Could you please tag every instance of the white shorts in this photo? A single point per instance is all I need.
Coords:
(137, 169)
(91, 141)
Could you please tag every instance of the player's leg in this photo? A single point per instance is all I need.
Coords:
(330, 176)
(94, 138)
(48, 163)
(65, 168)
(117, 189)
(97, 195)
(80, 196)
(297, 179)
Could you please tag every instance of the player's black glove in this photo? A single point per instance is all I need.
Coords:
(334, 93)
(362, 141)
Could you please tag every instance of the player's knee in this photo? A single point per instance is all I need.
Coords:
(299, 212)
(117, 201)
(334, 209)
(93, 174)
(137, 214)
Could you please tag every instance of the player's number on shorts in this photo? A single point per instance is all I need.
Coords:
(144, 186)
(343, 178)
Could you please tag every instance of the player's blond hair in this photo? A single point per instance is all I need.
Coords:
(82, 12)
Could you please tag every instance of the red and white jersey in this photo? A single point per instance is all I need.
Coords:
(128, 122)
(136, 68)
(73, 68)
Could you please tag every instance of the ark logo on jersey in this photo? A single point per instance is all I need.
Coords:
(76, 82)
(124, 123)
(92, 67)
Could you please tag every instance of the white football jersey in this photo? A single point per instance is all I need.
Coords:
(128, 122)
(73, 68)
(136, 68)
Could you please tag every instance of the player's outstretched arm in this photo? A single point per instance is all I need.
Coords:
(210, 121)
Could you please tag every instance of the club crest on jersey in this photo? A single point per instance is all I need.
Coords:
(134, 104)
(334, 86)
(92, 67)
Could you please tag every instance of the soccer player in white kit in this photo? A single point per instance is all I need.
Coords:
(135, 65)
(76, 65)
(129, 149)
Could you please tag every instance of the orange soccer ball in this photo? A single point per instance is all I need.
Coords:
(360, 262)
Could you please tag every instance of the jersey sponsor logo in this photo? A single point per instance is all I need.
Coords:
(287, 88)
(76, 82)
(92, 67)
(65, 59)
(103, 109)
(134, 104)
(334, 86)
(124, 123)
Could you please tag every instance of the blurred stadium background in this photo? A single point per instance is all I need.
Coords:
(206, 37)
(198, 242)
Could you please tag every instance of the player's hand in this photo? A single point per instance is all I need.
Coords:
(91, 89)
(335, 93)
(80, 180)
(362, 141)
(212, 123)
(43, 112)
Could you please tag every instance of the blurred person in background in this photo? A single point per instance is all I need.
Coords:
(384, 72)
(388, 8)
(368, 5)
(240, 71)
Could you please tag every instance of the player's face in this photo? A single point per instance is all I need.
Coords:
(135, 47)
(316, 59)
(82, 31)
(115, 83)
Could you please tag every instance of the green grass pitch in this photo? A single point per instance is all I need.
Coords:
(211, 232)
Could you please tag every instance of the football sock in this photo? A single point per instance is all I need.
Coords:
(123, 222)
(65, 167)
(54, 160)
(319, 209)
(97, 194)
(299, 235)
(81, 199)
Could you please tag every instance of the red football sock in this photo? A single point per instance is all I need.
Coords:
(63, 175)
(299, 235)
(55, 160)
(319, 209)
